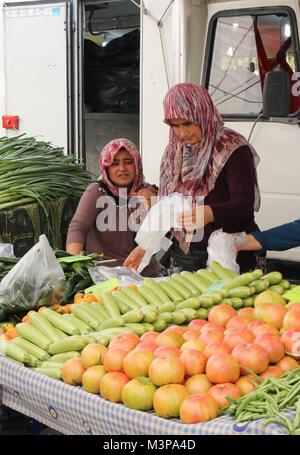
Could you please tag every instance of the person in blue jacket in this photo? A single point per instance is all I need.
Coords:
(279, 238)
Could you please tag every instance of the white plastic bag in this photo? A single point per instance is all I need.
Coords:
(222, 248)
(7, 250)
(36, 280)
(158, 222)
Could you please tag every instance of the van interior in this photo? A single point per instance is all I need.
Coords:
(111, 79)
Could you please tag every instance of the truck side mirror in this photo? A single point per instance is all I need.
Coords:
(276, 94)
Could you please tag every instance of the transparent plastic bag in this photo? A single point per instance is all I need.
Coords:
(222, 248)
(36, 280)
(125, 275)
(7, 250)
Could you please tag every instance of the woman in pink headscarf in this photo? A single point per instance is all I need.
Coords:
(102, 219)
(205, 160)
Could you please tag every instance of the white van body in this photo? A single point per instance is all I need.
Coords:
(41, 81)
(276, 141)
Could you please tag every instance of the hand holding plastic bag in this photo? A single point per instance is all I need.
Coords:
(158, 222)
(36, 280)
(222, 248)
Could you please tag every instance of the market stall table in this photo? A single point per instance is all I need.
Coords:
(73, 411)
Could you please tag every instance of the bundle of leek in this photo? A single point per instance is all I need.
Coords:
(36, 171)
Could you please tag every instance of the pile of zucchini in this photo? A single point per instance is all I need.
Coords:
(6, 264)
(154, 306)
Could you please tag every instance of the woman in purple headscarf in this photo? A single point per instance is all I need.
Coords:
(102, 219)
(204, 159)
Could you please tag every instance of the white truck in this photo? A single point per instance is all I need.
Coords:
(56, 55)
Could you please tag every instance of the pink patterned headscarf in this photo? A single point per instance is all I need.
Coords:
(107, 156)
(194, 170)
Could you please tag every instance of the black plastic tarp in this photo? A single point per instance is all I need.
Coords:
(111, 74)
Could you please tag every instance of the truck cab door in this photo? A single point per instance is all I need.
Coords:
(242, 46)
(36, 70)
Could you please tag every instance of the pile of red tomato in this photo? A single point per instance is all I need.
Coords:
(190, 372)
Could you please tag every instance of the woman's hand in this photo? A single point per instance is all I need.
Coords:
(248, 244)
(135, 258)
(195, 218)
(74, 248)
(147, 195)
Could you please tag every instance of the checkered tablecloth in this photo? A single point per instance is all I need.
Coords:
(71, 410)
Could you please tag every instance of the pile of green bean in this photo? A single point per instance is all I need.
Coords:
(269, 400)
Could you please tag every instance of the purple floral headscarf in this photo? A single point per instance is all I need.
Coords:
(194, 170)
(107, 156)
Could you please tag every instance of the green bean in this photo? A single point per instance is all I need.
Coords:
(269, 398)
(261, 416)
(271, 410)
(272, 401)
(253, 416)
(255, 408)
(246, 417)
(292, 373)
(243, 417)
(258, 404)
(289, 424)
(282, 394)
(247, 400)
(293, 381)
(251, 372)
(272, 385)
(277, 420)
(297, 416)
(284, 387)
(293, 394)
